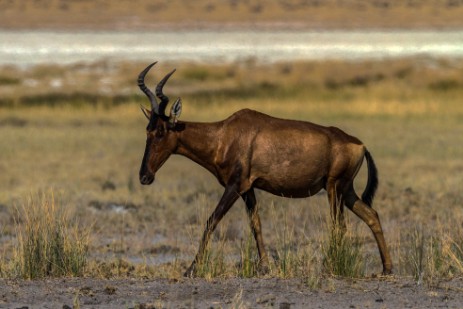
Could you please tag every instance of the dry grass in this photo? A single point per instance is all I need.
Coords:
(410, 119)
(49, 244)
(145, 14)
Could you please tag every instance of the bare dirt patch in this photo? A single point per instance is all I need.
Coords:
(234, 293)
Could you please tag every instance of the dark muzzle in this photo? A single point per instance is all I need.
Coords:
(146, 179)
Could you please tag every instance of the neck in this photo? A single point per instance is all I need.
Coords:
(199, 142)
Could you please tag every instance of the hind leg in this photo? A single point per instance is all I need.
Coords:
(371, 218)
(254, 220)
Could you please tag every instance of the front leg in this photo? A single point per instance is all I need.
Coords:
(229, 197)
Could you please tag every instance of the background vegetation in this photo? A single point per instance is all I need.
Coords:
(162, 14)
(77, 130)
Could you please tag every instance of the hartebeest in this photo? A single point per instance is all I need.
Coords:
(250, 150)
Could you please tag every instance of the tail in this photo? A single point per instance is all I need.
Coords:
(372, 183)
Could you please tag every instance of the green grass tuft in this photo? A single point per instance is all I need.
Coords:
(249, 258)
(48, 245)
(342, 254)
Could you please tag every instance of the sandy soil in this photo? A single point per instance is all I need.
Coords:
(226, 293)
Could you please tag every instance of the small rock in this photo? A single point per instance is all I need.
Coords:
(285, 305)
(110, 290)
(266, 299)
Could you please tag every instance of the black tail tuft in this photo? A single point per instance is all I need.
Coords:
(372, 184)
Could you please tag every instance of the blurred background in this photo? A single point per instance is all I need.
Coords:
(89, 39)
(387, 71)
(106, 35)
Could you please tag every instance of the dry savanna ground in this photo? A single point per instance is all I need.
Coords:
(72, 139)
(147, 14)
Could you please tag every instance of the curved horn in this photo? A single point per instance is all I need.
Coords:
(149, 94)
(164, 99)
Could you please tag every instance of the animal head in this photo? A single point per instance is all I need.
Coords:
(161, 139)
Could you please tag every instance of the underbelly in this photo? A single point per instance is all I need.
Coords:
(290, 190)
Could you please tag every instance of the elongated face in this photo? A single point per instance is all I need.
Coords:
(161, 139)
(160, 143)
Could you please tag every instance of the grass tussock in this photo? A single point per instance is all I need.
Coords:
(212, 264)
(49, 244)
(342, 254)
(249, 258)
(431, 256)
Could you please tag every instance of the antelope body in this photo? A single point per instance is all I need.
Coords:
(251, 150)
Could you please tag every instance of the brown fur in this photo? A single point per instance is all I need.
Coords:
(250, 150)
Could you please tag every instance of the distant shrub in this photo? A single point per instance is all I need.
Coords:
(6, 80)
(196, 74)
(444, 85)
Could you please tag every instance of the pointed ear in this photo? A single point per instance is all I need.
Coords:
(146, 112)
(175, 111)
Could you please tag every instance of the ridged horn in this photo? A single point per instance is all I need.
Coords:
(164, 99)
(149, 94)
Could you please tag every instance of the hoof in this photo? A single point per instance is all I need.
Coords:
(190, 272)
(387, 271)
(263, 270)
